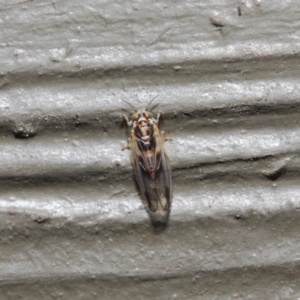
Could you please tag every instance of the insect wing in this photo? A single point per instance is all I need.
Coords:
(152, 171)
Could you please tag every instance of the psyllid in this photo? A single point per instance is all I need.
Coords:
(150, 164)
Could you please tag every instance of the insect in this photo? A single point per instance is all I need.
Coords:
(150, 164)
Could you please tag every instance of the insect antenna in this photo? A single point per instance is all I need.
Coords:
(130, 105)
(153, 107)
(150, 103)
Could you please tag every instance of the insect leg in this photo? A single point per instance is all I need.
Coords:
(129, 123)
(158, 116)
(156, 121)
(164, 137)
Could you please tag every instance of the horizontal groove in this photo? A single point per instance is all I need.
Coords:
(239, 167)
(188, 258)
(128, 279)
(103, 107)
(121, 203)
(251, 115)
(280, 285)
(216, 68)
(79, 153)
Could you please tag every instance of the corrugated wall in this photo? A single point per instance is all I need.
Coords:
(72, 223)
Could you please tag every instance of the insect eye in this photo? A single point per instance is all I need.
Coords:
(147, 115)
(135, 116)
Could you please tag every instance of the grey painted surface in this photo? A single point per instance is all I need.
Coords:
(72, 223)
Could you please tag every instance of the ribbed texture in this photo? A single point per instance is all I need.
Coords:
(72, 222)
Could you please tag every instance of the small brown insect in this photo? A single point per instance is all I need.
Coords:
(151, 164)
